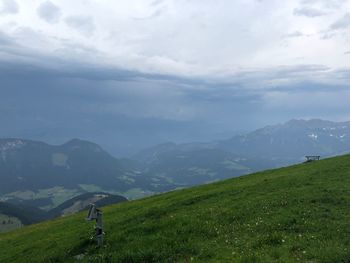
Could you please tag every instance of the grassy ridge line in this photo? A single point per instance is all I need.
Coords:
(294, 214)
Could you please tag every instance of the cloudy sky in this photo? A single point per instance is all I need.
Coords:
(159, 70)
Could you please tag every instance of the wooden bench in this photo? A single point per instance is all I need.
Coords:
(311, 158)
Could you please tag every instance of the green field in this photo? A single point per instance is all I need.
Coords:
(295, 214)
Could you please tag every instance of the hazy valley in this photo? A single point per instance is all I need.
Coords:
(38, 177)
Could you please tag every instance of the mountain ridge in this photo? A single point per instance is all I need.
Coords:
(55, 173)
(292, 140)
(46, 175)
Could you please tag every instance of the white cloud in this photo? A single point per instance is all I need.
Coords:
(325, 4)
(189, 37)
(342, 23)
(82, 23)
(49, 12)
(309, 12)
(295, 34)
(8, 7)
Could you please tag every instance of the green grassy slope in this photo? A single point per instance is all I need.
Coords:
(295, 214)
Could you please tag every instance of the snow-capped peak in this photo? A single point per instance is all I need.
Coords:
(313, 136)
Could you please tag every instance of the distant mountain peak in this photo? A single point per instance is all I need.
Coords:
(307, 121)
(82, 144)
(315, 123)
(76, 141)
(293, 139)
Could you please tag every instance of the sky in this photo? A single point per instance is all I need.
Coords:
(129, 74)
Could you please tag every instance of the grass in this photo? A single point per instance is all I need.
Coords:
(294, 214)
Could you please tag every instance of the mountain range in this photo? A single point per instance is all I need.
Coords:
(46, 175)
(293, 140)
(41, 175)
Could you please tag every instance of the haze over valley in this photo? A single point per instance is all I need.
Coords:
(43, 175)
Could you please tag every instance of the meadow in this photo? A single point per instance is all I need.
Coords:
(294, 214)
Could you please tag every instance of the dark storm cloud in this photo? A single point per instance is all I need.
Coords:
(70, 100)
(48, 98)
(120, 110)
(115, 91)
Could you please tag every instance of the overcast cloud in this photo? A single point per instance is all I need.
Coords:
(49, 12)
(176, 69)
(8, 7)
(342, 23)
(310, 12)
(84, 24)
